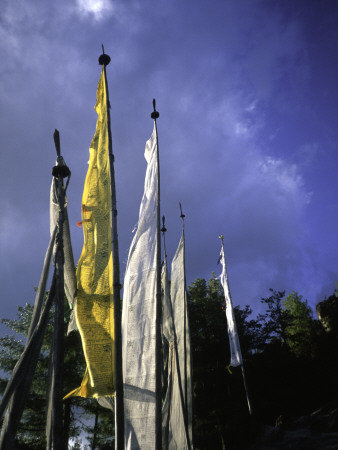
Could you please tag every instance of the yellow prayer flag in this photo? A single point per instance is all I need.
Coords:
(94, 307)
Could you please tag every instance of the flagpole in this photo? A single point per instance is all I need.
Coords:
(242, 365)
(187, 416)
(104, 60)
(175, 350)
(158, 409)
(185, 325)
(54, 427)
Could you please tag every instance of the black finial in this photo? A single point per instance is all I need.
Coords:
(155, 114)
(60, 170)
(56, 136)
(182, 216)
(104, 59)
(163, 229)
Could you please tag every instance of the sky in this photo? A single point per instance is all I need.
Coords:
(247, 94)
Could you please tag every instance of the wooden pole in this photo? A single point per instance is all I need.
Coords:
(175, 349)
(54, 427)
(246, 390)
(158, 411)
(242, 365)
(119, 406)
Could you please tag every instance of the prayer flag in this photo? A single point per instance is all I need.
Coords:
(235, 349)
(181, 325)
(174, 429)
(94, 307)
(139, 316)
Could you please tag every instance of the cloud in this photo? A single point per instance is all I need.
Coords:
(99, 9)
(286, 179)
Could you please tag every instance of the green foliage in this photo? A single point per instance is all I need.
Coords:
(78, 413)
(291, 365)
(219, 397)
(275, 320)
(250, 331)
(210, 357)
(300, 331)
(21, 324)
(30, 433)
(99, 431)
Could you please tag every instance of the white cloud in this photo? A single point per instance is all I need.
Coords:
(235, 119)
(241, 129)
(286, 178)
(100, 9)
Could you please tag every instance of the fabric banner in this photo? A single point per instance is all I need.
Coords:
(69, 267)
(235, 349)
(174, 432)
(138, 316)
(94, 307)
(182, 330)
(17, 389)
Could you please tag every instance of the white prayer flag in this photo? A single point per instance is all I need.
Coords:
(181, 325)
(138, 316)
(235, 349)
(174, 433)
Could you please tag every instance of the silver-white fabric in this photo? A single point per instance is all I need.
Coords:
(181, 325)
(167, 310)
(138, 316)
(235, 349)
(174, 432)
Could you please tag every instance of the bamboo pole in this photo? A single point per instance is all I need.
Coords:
(119, 406)
(175, 349)
(54, 426)
(158, 409)
(246, 390)
(242, 365)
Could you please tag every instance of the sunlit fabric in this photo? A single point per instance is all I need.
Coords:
(94, 308)
(235, 349)
(138, 316)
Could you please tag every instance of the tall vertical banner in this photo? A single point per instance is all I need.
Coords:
(94, 307)
(175, 433)
(181, 324)
(235, 349)
(139, 314)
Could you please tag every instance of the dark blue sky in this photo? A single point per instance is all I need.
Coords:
(247, 92)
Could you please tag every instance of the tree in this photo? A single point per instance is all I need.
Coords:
(78, 412)
(249, 331)
(301, 329)
(30, 433)
(210, 356)
(220, 404)
(275, 320)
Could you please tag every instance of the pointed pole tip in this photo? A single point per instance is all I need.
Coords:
(104, 59)
(155, 114)
(182, 215)
(56, 137)
(163, 229)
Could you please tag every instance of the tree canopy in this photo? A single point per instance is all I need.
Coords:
(84, 419)
(291, 362)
